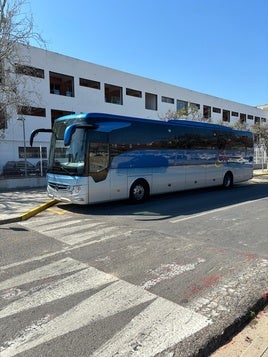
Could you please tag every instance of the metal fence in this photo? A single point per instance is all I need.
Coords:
(260, 157)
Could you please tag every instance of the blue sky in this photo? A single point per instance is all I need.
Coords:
(217, 47)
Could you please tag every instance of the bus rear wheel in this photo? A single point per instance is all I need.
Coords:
(227, 180)
(139, 191)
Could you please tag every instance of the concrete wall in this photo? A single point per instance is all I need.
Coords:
(18, 183)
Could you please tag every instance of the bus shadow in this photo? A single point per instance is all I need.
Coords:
(168, 206)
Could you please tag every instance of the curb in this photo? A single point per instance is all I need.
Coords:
(239, 323)
(30, 213)
(261, 174)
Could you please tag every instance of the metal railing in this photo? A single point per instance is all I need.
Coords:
(260, 157)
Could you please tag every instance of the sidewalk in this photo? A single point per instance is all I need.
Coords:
(22, 204)
(260, 172)
(252, 341)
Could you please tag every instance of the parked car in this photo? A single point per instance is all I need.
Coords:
(17, 168)
(44, 167)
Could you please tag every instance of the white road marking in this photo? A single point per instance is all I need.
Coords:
(70, 228)
(83, 236)
(60, 267)
(34, 259)
(159, 326)
(71, 233)
(168, 271)
(193, 216)
(63, 250)
(86, 279)
(98, 238)
(115, 298)
(43, 221)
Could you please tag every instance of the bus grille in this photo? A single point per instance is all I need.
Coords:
(57, 186)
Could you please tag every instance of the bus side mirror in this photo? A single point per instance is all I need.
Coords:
(68, 133)
(35, 132)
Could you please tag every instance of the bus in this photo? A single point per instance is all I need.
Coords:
(96, 157)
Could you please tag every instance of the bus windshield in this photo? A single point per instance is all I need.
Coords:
(68, 160)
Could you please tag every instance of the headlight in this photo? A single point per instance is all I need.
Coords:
(76, 189)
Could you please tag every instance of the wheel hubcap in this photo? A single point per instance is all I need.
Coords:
(138, 192)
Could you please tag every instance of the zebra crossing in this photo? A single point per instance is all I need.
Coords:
(157, 325)
(75, 232)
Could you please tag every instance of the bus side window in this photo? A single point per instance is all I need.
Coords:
(221, 142)
(98, 157)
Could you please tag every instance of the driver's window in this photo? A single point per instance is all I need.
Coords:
(98, 157)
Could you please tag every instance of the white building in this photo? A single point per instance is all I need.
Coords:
(67, 85)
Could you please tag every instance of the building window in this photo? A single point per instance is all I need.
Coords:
(150, 101)
(32, 152)
(133, 92)
(206, 111)
(243, 118)
(3, 118)
(167, 100)
(250, 117)
(226, 115)
(29, 71)
(61, 84)
(257, 120)
(182, 105)
(235, 114)
(263, 120)
(55, 114)
(89, 83)
(195, 106)
(216, 110)
(37, 112)
(113, 94)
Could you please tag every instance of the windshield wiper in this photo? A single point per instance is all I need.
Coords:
(59, 167)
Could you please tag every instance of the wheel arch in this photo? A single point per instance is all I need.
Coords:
(136, 181)
(228, 179)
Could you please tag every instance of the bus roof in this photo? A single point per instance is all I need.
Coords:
(176, 122)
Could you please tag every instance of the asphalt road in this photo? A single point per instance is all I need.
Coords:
(166, 277)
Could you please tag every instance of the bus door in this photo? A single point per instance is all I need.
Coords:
(99, 179)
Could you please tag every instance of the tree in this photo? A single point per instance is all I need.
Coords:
(16, 31)
(260, 133)
(189, 112)
(240, 125)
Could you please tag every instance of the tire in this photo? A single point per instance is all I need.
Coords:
(139, 191)
(227, 180)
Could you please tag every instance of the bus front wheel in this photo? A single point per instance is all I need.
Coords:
(227, 180)
(139, 191)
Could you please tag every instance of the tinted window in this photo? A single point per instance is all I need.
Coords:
(165, 136)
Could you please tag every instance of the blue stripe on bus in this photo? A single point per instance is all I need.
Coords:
(165, 158)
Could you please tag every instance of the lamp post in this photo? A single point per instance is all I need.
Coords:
(24, 144)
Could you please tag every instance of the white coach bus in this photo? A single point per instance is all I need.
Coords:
(97, 157)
